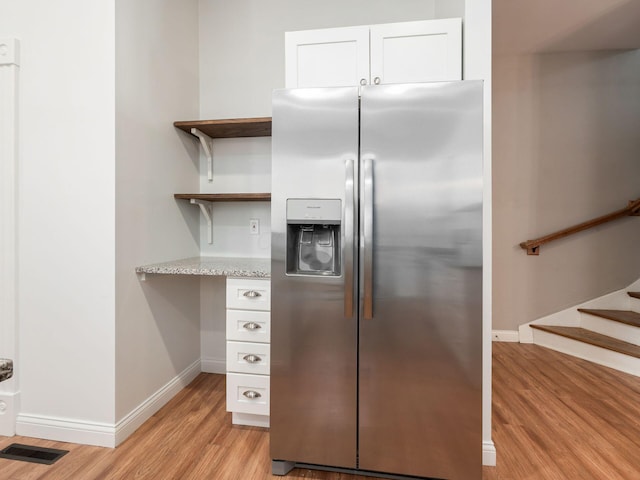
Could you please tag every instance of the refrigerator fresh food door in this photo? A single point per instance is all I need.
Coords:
(420, 362)
(313, 312)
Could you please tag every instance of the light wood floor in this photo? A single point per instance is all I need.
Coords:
(555, 417)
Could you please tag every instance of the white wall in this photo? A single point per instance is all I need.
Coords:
(157, 321)
(237, 80)
(212, 324)
(66, 212)
(449, 8)
(75, 270)
(239, 165)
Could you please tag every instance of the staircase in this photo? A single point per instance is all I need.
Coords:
(606, 337)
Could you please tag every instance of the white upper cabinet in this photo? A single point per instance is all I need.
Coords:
(332, 57)
(428, 51)
(424, 51)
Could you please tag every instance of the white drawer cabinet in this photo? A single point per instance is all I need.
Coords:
(248, 294)
(248, 357)
(248, 326)
(423, 51)
(248, 394)
(248, 350)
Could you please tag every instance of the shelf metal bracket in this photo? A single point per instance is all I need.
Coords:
(207, 145)
(207, 210)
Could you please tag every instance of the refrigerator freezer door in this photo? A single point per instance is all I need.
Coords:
(313, 339)
(420, 376)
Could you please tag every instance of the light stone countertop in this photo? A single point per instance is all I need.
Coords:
(223, 266)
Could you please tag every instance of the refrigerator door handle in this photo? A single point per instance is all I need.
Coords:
(367, 237)
(349, 213)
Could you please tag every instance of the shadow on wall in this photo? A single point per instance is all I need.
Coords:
(547, 26)
(191, 215)
(614, 28)
(566, 149)
(174, 302)
(586, 149)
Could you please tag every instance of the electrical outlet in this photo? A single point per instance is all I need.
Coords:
(254, 226)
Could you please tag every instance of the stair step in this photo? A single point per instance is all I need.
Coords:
(634, 294)
(592, 338)
(623, 316)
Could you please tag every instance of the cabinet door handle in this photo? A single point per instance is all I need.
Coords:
(376, 81)
(251, 326)
(252, 294)
(363, 81)
(251, 394)
(251, 358)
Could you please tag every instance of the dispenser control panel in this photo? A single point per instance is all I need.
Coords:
(328, 211)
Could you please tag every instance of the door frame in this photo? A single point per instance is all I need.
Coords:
(9, 69)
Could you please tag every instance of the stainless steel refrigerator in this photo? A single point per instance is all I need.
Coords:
(376, 280)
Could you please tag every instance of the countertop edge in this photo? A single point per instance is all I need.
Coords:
(242, 267)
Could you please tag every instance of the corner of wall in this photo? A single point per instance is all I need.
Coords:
(132, 421)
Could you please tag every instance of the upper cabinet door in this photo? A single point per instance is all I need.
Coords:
(425, 51)
(332, 57)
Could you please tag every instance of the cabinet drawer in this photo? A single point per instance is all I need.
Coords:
(248, 326)
(248, 294)
(248, 393)
(245, 357)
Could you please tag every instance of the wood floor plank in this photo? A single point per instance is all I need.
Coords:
(555, 417)
(584, 436)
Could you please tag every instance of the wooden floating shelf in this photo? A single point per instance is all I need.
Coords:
(225, 197)
(229, 128)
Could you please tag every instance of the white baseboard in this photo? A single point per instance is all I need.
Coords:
(214, 365)
(66, 430)
(249, 419)
(488, 454)
(505, 336)
(9, 407)
(526, 333)
(103, 434)
(155, 402)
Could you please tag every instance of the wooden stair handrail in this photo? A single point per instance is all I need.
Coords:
(533, 246)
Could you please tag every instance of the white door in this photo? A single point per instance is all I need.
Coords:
(332, 57)
(425, 51)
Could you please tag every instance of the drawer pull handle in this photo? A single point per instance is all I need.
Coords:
(252, 294)
(251, 326)
(251, 358)
(251, 394)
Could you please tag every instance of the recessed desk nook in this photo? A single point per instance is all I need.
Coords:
(248, 302)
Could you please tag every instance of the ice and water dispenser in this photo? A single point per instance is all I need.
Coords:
(313, 236)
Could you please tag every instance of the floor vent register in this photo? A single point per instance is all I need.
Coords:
(28, 453)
